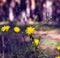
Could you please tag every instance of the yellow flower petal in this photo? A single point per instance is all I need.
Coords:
(16, 29)
(3, 29)
(30, 30)
(57, 56)
(36, 41)
(7, 28)
(58, 47)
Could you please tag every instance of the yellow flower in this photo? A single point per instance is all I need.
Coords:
(5, 28)
(58, 47)
(16, 29)
(57, 56)
(36, 41)
(30, 30)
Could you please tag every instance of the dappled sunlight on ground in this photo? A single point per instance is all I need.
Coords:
(49, 38)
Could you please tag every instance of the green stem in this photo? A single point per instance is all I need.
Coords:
(43, 52)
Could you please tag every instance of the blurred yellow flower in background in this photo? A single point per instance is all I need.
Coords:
(30, 30)
(16, 29)
(57, 56)
(5, 28)
(58, 47)
(36, 41)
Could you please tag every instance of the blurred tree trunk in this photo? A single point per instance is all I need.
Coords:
(39, 9)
